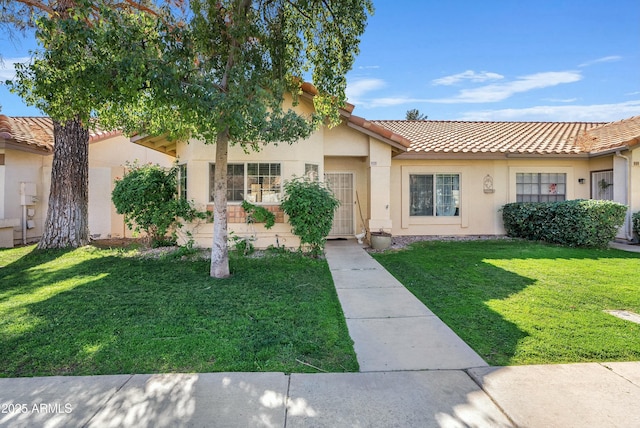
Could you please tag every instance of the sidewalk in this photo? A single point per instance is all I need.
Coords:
(414, 373)
(391, 329)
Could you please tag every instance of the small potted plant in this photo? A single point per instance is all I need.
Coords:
(380, 240)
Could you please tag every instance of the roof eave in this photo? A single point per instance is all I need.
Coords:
(608, 152)
(487, 155)
(160, 144)
(24, 147)
(370, 133)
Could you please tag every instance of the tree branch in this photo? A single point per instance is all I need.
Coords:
(303, 13)
(137, 5)
(38, 5)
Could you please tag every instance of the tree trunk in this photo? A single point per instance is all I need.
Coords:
(219, 249)
(67, 223)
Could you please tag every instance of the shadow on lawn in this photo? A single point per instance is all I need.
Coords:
(63, 311)
(107, 314)
(455, 282)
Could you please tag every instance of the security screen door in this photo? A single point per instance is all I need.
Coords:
(341, 183)
(602, 185)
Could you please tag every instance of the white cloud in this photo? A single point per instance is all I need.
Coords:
(391, 101)
(361, 87)
(470, 75)
(501, 91)
(572, 113)
(7, 67)
(368, 67)
(561, 100)
(358, 90)
(610, 58)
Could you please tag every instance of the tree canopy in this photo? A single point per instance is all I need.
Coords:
(220, 76)
(223, 79)
(68, 78)
(414, 114)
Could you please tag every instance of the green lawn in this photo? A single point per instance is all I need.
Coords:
(106, 311)
(518, 302)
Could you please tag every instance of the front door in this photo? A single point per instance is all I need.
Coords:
(341, 183)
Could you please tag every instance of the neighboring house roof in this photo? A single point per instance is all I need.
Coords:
(615, 135)
(36, 133)
(525, 138)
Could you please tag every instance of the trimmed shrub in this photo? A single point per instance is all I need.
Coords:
(575, 223)
(310, 207)
(635, 218)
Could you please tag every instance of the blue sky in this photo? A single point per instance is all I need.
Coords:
(520, 60)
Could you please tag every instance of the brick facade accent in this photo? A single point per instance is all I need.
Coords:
(235, 213)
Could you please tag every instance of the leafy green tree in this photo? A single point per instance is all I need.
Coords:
(147, 195)
(223, 79)
(68, 79)
(414, 114)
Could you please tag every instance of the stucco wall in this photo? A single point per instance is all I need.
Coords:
(24, 167)
(345, 141)
(479, 210)
(106, 162)
(380, 188)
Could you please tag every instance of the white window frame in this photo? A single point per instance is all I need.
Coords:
(424, 223)
(312, 171)
(273, 193)
(182, 181)
(568, 171)
(543, 187)
(440, 204)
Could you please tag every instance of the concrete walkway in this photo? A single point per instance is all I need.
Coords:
(391, 329)
(414, 373)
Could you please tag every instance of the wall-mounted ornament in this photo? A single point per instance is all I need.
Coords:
(487, 184)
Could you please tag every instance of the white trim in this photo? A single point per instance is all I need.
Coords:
(568, 170)
(407, 220)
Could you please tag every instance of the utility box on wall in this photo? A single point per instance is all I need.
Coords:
(28, 193)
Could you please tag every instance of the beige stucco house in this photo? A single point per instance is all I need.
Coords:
(26, 153)
(418, 177)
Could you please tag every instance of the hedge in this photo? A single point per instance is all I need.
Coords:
(575, 223)
(635, 218)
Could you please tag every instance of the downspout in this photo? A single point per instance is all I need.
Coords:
(24, 224)
(627, 222)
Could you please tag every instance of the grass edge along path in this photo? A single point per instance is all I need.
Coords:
(97, 311)
(517, 302)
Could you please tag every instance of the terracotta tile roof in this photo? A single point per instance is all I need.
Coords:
(380, 130)
(430, 136)
(37, 132)
(611, 136)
